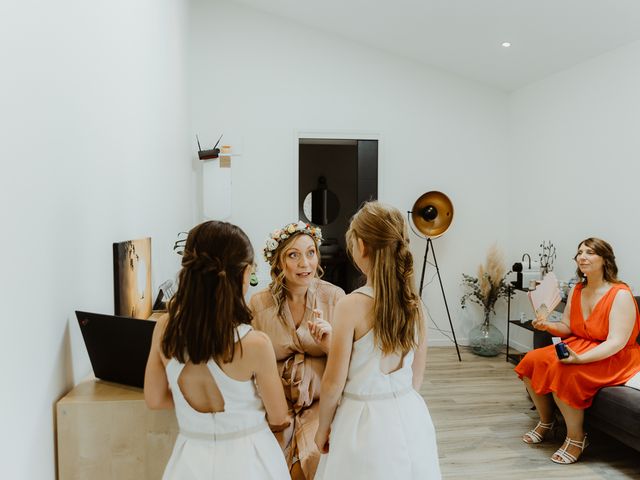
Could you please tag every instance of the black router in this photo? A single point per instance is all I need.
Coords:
(208, 154)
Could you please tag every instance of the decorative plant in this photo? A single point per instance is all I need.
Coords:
(490, 284)
(547, 256)
(181, 242)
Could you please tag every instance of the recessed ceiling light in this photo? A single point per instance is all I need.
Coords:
(506, 44)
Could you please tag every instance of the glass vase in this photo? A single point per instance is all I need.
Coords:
(485, 339)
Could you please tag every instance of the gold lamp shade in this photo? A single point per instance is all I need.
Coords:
(432, 213)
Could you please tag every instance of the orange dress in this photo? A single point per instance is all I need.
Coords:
(577, 384)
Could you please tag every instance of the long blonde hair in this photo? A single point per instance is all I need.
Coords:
(396, 304)
(278, 286)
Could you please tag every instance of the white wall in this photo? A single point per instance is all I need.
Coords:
(260, 79)
(574, 161)
(93, 145)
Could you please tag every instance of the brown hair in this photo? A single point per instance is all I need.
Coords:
(209, 302)
(278, 287)
(396, 304)
(604, 250)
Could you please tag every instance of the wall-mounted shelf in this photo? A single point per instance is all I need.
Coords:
(218, 156)
(216, 176)
(224, 159)
(215, 152)
(217, 186)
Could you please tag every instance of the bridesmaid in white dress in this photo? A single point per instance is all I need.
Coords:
(218, 373)
(373, 422)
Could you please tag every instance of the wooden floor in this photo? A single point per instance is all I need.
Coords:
(480, 411)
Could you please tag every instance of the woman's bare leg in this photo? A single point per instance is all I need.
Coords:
(574, 418)
(543, 403)
(544, 406)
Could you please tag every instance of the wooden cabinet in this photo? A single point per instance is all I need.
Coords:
(105, 431)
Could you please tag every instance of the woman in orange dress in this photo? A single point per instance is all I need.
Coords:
(600, 326)
(295, 306)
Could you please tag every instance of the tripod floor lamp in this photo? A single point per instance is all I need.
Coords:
(432, 215)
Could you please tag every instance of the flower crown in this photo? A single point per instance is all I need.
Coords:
(277, 236)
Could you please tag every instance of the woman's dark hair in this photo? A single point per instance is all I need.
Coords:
(604, 250)
(209, 303)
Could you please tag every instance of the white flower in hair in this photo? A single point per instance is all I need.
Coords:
(280, 234)
(271, 244)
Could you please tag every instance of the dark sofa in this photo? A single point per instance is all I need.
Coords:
(616, 412)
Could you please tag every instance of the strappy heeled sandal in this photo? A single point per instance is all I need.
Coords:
(565, 457)
(532, 436)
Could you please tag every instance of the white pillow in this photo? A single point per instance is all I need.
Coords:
(634, 382)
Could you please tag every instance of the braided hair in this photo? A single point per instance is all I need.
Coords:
(209, 302)
(396, 304)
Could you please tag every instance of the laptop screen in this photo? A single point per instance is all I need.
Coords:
(118, 347)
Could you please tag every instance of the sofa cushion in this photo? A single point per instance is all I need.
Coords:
(616, 410)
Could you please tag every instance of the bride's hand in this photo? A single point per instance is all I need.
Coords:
(320, 330)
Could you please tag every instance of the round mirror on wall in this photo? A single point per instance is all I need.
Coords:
(321, 206)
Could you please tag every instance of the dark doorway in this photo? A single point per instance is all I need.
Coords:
(335, 177)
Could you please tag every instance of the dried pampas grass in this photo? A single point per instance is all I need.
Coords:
(490, 283)
(492, 272)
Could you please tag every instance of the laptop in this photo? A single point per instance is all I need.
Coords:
(118, 347)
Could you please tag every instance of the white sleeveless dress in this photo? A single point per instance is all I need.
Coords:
(233, 444)
(382, 428)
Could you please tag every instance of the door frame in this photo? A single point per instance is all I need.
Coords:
(333, 135)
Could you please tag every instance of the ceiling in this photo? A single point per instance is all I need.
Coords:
(465, 36)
